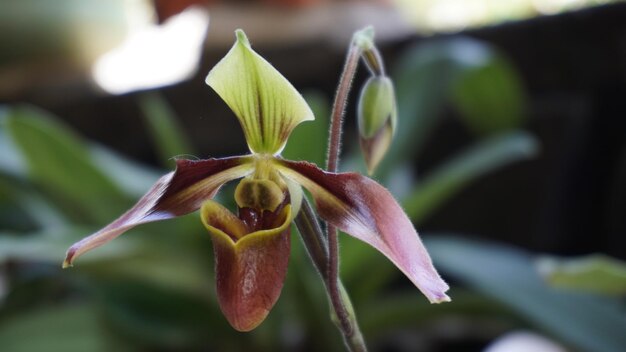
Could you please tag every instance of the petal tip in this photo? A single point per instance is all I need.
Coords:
(435, 291)
(247, 326)
(440, 298)
(69, 258)
(241, 37)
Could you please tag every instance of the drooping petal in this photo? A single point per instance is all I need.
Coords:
(266, 104)
(250, 271)
(364, 209)
(175, 194)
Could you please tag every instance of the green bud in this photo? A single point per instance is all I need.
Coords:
(377, 116)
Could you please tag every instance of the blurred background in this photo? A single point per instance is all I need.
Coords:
(510, 158)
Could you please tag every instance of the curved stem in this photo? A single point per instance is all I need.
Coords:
(317, 247)
(346, 321)
(339, 107)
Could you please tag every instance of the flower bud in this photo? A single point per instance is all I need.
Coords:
(377, 117)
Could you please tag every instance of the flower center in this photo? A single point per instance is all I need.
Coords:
(258, 194)
(263, 190)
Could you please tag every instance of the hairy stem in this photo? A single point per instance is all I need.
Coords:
(334, 285)
(317, 246)
(339, 107)
(346, 321)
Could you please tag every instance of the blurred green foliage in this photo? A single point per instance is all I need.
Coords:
(152, 289)
(44, 31)
(594, 273)
(507, 275)
(168, 136)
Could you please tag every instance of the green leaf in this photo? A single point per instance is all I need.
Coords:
(406, 309)
(422, 79)
(431, 75)
(508, 276)
(10, 161)
(167, 134)
(60, 163)
(182, 273)
(595, 273)
(490, 97)
(12, 216)
(133, 178)
(308, 141)
(64, 328)
(446, 180)
(267, 105)
(160, 318)
(50, 246)
(40, 211)
(358, 258)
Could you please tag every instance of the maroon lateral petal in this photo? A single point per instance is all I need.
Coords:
(364, 209)
(175, 194)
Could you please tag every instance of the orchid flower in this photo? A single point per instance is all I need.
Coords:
(252, 247)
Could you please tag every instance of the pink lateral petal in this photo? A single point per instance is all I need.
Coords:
(364, 209)
(175, 194)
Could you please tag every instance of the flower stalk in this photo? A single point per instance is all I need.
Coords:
(339, 107)
(313, 238)
(347, 322)
(317, 247)
(323, 250)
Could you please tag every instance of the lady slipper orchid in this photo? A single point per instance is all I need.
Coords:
(252, 247)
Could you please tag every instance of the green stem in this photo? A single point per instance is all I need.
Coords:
(374, 61)
(317, 246)
(313, 237)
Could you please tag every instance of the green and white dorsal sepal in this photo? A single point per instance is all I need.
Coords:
(266, 104)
